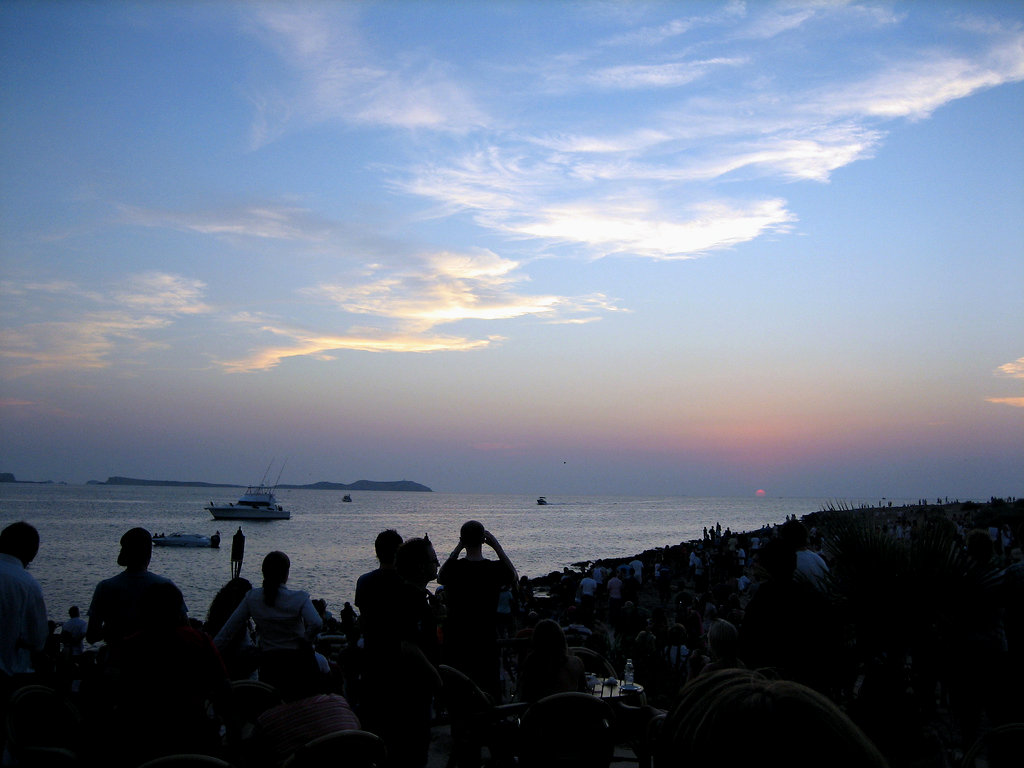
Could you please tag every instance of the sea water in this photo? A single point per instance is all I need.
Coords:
(330, 542)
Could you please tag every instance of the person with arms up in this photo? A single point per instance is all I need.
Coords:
(472, 585)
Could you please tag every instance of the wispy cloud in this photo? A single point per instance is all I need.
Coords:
(399, 310)
(1014, 370)
(1016, 402)
(274, 222)
(93, 327)
(338, 77)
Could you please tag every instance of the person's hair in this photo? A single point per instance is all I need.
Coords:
(224, 603)
(778, 559)
(275, 573)
(20, 540)
(979, 546)
(73, 612)
(794, 533)
(723, 639)
(782, 722)
(472, 533)
(548, 641)
(415, 559)
(386, 545)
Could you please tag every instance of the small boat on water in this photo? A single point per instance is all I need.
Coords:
(186, 540)
(346, 497)
(257, 503)
(541, 500)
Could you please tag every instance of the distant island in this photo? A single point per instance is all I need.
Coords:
(359, 485)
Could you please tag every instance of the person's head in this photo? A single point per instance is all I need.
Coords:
(778, 559)
(225, 602)
(275, 574)
(136, 549)
(794, 533)
(472, 533)
(723, 639)
(782, 721)
(20, 540)
(416, 561)
(979, 546)
(386, 546)
(162, 608)
(548, 640)
(73, 612)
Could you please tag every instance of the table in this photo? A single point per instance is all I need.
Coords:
(615, 689)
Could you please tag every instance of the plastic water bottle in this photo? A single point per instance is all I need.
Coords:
(627, 672)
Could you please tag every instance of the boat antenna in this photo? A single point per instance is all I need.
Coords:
(266, 472)
(285, 464)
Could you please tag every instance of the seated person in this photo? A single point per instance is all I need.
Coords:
(549, 667)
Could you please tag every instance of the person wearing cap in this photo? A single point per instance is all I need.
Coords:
(114, 613)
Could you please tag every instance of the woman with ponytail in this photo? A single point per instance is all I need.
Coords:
(286, 625)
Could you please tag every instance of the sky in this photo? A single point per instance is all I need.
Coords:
(701, 248)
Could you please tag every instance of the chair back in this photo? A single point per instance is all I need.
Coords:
(349, 748)
(594, 662)
(186, 760)
(38, 716)
(567, 730)
(250, 699)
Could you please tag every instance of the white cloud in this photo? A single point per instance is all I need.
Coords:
(641, 230)
(256, 221)
(93, 327)
(1014, 370)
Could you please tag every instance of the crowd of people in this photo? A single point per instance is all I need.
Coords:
(755, 613)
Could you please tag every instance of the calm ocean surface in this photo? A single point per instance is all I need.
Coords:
(330, 543)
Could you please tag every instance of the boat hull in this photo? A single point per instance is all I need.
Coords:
(187, 540)
(238, 512)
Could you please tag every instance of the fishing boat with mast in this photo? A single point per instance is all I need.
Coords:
(257, 503)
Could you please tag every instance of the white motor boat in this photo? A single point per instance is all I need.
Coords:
(186, 540)
(257, 503)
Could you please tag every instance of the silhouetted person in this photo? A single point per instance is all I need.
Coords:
(471, 587)
(737, 718)
(114, 611)
(23, 629)
(23, 626)
(162, 677)
(549, 667)
(286, 623)
(403, 678)
(239, 653)
(376, 591)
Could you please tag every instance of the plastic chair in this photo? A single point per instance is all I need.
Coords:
(594, 662)
(1000, 747)
(350, 748)
(567, 730)
(249, 700)
(39, 717)
(476, 721)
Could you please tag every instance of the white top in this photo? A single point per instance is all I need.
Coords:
(23, 628)
(290, 624)
(812, 566)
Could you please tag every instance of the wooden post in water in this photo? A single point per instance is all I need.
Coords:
(237, 553)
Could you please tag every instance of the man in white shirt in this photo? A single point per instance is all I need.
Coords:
(23, 630)
(72, 632)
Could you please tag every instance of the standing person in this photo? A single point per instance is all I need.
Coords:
(72, 632)
(376, 591)
(471, 585)
(23, 627)
(114, 611)
(286, 623)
